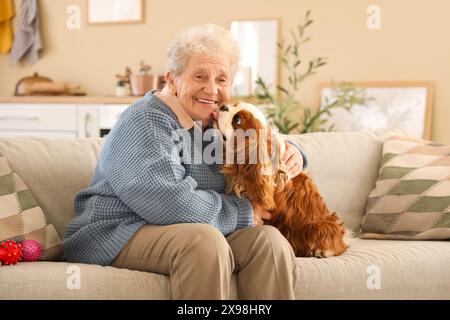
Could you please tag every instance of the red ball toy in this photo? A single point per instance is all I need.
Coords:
(12, 252)
(2, 255)
(31, 250)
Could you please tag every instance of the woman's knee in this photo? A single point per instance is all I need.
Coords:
(205, 240)
(271, 238)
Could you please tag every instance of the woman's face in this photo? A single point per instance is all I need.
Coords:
(203, 86)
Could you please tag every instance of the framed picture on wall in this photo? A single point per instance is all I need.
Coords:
(115, 11)
(403, 107)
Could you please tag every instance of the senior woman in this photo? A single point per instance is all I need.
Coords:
(149, 210)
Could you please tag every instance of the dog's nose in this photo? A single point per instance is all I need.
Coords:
(224, 108)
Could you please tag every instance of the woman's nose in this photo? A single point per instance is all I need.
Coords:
(224, 108)
(212, 87)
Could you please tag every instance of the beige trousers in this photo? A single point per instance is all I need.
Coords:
(200, 260)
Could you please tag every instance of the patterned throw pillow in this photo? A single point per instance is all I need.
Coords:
(20, 216)
(411, 200)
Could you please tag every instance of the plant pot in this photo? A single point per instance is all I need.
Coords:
(140, 84)
(122, 91)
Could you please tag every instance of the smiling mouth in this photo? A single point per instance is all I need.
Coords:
(206, 101)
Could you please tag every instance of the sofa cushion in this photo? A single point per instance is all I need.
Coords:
(54, 170)
(344, 166)
(20, 216)
(411, 199)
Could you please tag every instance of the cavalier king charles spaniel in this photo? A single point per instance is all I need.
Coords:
(253, 170)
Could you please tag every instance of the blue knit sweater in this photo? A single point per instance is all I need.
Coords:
(138, 180)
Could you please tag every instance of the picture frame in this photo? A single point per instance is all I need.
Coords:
(403, 107)
(115, 11)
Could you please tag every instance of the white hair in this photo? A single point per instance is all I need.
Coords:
(209, 39)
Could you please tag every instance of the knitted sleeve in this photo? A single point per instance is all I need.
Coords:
(150, 179)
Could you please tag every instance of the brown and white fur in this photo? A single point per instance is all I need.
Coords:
(297, 208)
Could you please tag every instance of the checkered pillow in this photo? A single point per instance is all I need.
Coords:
(20, 216)
(411, 199)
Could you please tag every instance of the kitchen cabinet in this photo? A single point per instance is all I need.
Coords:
(60, 117)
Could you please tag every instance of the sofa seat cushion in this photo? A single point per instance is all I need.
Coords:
(408, 270)
(55, 280)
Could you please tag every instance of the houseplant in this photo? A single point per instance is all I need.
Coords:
(122, 89)
(280, 107)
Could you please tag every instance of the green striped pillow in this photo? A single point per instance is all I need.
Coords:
(411, 199)
(21, 217)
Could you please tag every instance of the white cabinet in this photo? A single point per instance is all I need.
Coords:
(41, 120)
(58, 120)
(88, 121)
(109, 114)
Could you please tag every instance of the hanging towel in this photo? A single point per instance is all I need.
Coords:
(6, 29)
(27, 44)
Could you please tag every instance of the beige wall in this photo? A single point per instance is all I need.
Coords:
(411, 45)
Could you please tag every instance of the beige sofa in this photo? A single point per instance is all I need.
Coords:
(344, 166)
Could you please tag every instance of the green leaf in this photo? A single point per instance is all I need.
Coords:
(293, 35)
(287, 49)
(282, 89)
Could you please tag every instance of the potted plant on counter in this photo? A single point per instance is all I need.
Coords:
(122, 89)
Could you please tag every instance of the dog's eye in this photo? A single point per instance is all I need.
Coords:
(237, 120)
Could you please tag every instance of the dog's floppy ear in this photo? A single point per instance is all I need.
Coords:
(263, 171)
(281, 176)
(253, 178)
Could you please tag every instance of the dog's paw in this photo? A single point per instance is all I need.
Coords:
(318, 253)
(323, 253)
(349, 237)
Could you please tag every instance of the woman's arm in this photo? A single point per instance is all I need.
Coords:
(302, 153)
(148, 177)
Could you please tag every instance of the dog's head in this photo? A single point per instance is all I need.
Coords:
(253, 151)
(244, 116)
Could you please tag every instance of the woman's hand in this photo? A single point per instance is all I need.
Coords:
(260, 214)
(293, 160)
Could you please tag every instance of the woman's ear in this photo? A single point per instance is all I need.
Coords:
(171, 82)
